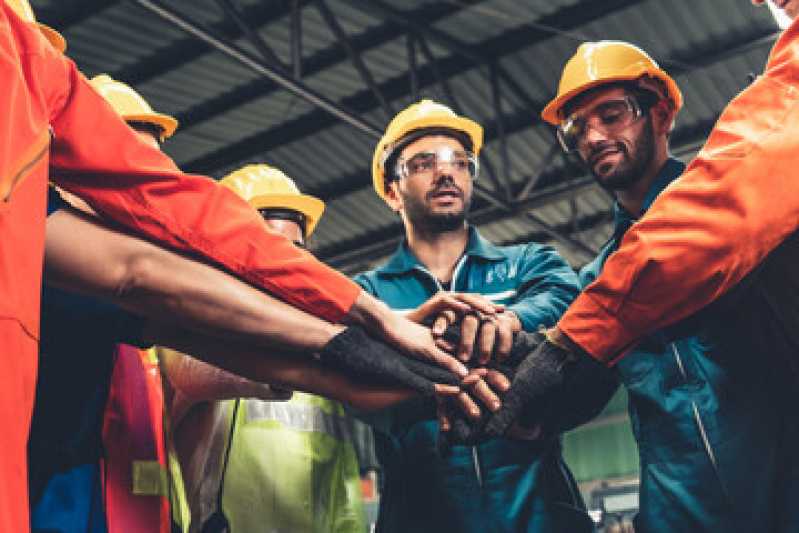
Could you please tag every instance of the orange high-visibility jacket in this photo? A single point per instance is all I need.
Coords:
(96, 156)
(136, 469)
(734, 205)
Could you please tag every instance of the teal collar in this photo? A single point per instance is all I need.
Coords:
(671, 171)
(404, 261)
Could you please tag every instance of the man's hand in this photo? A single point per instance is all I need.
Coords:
(482, 387)
(369, 397)
(460, 415)
(482, 337)
(419, 342)
(538, 365)
(486, 328)
(446, 308)
(409, 337)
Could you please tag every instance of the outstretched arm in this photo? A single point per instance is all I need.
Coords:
(282, 370)
(200, 310)
(735, 204)
(97, 157)
(83, 255)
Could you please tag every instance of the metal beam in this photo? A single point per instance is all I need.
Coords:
(164, 60)
(446, 89)
(488, 165)
(413, 69)
(496, 98)
(296, 39)
(354, 54)
(413, 24)
(543, 30)
(363, 102)
(573, 243)
(516, 39)
(267, 71)
(72, 13)
(255, 38)
(319, 62)
(554, 150)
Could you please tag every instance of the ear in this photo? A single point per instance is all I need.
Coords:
(393, 198)
(663, 116)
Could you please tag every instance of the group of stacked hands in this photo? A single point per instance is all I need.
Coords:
(534, 382)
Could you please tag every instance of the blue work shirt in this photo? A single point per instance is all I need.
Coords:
(76, 359)
(705, 418)
(503, 485)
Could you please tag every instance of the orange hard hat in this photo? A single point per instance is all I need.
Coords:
(603, 62)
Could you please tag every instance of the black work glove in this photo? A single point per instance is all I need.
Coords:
(356, 354)
(465, 430)
(539, 379)
(586, 393)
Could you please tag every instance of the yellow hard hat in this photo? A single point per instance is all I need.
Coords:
(266, 187)
(25, 12)
(422, 114)
(131, 106)
(604, 62)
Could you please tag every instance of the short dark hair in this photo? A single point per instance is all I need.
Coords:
(415, 135)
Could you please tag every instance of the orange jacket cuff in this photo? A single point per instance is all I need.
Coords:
(597, 331)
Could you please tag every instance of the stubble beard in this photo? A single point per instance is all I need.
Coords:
(632, 168)
(421, 216)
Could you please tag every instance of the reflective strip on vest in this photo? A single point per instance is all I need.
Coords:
(300, 417)
(150, 479)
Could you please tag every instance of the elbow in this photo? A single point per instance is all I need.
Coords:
(136, 278)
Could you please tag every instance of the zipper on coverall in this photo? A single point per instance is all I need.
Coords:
(478, 471)
(39, 148)
(699, 423)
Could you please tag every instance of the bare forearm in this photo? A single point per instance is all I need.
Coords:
(198, 381)
(282, 370)
(372, 314)
(83, 255)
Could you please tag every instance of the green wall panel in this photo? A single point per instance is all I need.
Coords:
(604, 447)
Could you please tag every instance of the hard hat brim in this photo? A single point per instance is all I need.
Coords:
(310, 206)
(167, 124)
(551, 112)
(467, 126)
(54, 37)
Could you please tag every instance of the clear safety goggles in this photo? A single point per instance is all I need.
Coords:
(425, 164)
(608, 118)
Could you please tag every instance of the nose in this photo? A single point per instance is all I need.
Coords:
(593, 135)
(590, 139)
(443, 174)
(444, 170)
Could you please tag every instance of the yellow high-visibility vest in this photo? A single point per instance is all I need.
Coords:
(292, 468)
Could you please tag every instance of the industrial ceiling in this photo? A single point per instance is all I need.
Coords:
(308, 85)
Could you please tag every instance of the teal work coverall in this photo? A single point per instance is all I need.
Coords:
(503, 485)
(709, 416)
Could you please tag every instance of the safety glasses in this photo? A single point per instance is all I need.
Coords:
(425, 164)
(608, 118)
